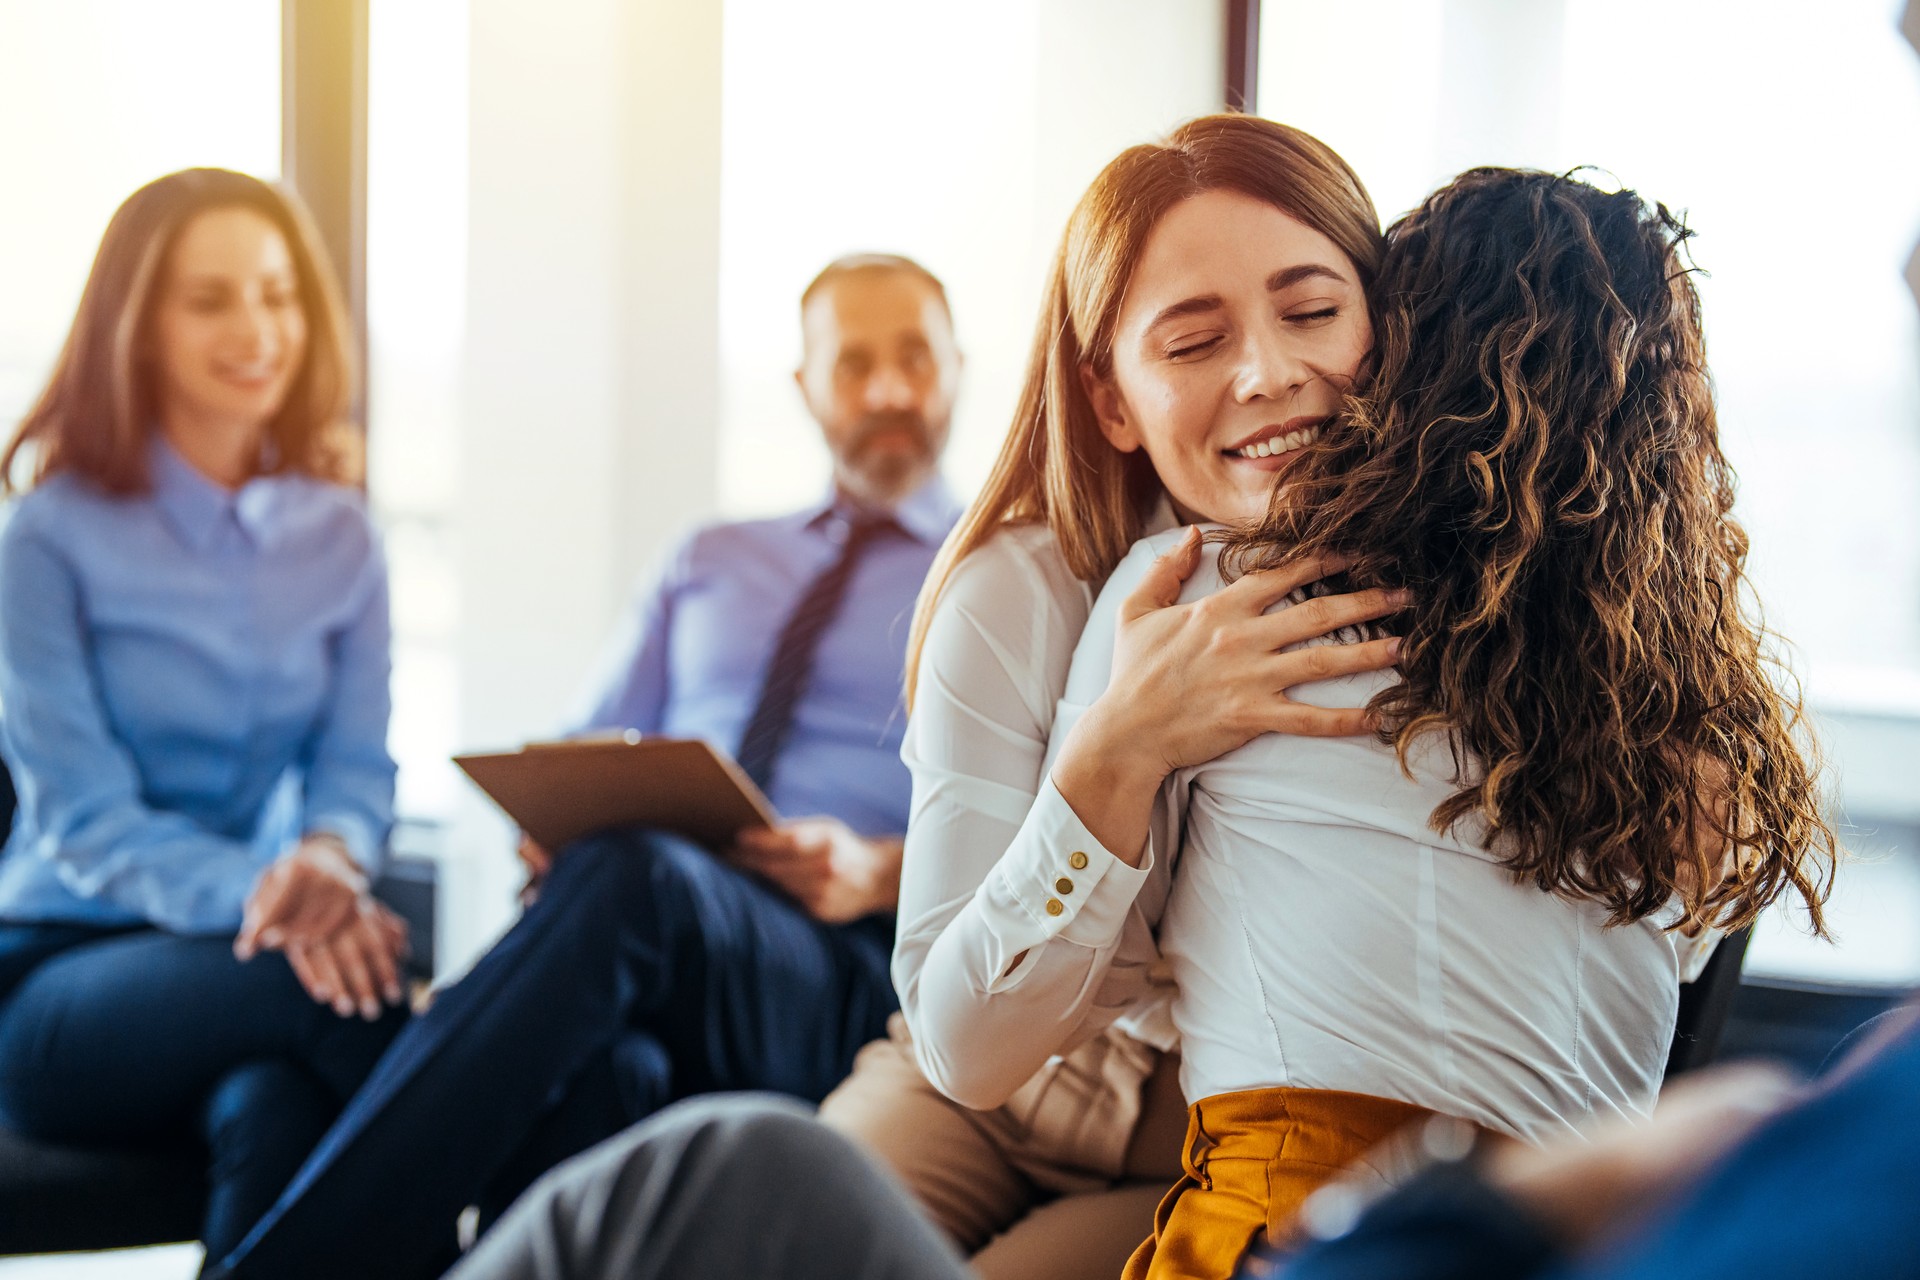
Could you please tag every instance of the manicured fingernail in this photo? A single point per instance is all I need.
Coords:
(1393, 646)
(343, 1007)
(393, 994)
(370, 1009)
(1402, 597)
(271, 938)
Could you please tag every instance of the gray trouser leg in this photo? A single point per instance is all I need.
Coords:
(742, 1186)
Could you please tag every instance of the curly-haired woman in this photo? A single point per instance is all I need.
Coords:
(1583, 759)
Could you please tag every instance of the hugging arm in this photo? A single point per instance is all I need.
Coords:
(981, 957)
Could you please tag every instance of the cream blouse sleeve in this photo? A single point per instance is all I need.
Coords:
(1011, 914)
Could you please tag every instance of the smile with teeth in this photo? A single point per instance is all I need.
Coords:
(1275, 445)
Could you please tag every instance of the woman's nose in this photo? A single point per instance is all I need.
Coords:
(1269, 369)
(255, 332)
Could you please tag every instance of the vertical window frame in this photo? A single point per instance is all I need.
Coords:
(323, 144)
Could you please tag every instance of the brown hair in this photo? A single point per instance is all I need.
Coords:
(98, 408)
(1055, 465)
(1538, 461)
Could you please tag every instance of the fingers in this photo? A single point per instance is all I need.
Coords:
(382, 952)
(764, 841)
(1329, 661)
(1303, 721)
(394, 935)
(263, 910)
(309, 980)
(354, 951)
(327, 986)
(534, 856)
(1264, 588)
(795, 872)
(1160, 587)
(1325, 615)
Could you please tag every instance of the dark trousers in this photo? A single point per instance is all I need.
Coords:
(131, 1037)
(646, 970)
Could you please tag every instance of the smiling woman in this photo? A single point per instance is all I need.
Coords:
(207, 308)
(229, 335)
(1241, 332)
(193, 662)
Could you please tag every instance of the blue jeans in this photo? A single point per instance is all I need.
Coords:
(647, 970)
(131, 1037)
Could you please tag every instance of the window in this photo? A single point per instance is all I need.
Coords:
(416, 309)
(1787, 136)
(102, 97)
(960, 136)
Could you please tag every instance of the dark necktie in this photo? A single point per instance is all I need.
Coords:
(793, 653)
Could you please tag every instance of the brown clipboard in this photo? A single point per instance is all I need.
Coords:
(560, 791)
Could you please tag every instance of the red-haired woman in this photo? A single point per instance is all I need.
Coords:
(194, 665)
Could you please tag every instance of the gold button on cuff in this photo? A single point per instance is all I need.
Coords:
(1063, 884)
(1078, 861)
(1053, 907)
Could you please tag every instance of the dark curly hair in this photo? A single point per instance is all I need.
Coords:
(1535, 456)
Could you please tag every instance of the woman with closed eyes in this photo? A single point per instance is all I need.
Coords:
(1045, 1156)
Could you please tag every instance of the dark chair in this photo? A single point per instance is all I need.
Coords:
(1704, 1005)
(58, 1199)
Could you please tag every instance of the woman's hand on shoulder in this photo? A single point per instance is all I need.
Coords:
(1192, 682)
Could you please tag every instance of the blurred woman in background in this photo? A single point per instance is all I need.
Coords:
(194, 675)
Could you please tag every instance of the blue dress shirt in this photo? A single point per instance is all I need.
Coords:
(190, 679)
(690, 660)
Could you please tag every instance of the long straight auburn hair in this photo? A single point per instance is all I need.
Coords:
(100, 404)
(1055, 466)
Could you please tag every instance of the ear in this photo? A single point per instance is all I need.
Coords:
(1109, 410)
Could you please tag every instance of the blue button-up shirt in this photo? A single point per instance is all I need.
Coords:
(690, 661)
(189, 679)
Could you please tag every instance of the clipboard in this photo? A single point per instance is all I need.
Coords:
(560, 791)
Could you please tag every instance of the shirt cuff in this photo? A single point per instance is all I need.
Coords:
(355, 833)
(1060, 881)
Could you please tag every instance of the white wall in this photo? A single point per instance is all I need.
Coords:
(589, 385)
(961, 135)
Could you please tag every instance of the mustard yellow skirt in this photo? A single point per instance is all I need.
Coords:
(1251, 1160)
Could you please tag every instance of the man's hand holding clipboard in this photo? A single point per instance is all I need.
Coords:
(560, 791)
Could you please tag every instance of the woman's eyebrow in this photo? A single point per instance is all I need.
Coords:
(1190, 307)
(1290, 276)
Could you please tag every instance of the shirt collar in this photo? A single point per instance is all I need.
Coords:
(197, 507)
(928, 514)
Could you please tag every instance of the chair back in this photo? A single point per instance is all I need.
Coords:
(1704, 1005)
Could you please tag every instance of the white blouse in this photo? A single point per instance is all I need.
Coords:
(997, 868)
(1322, 935)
